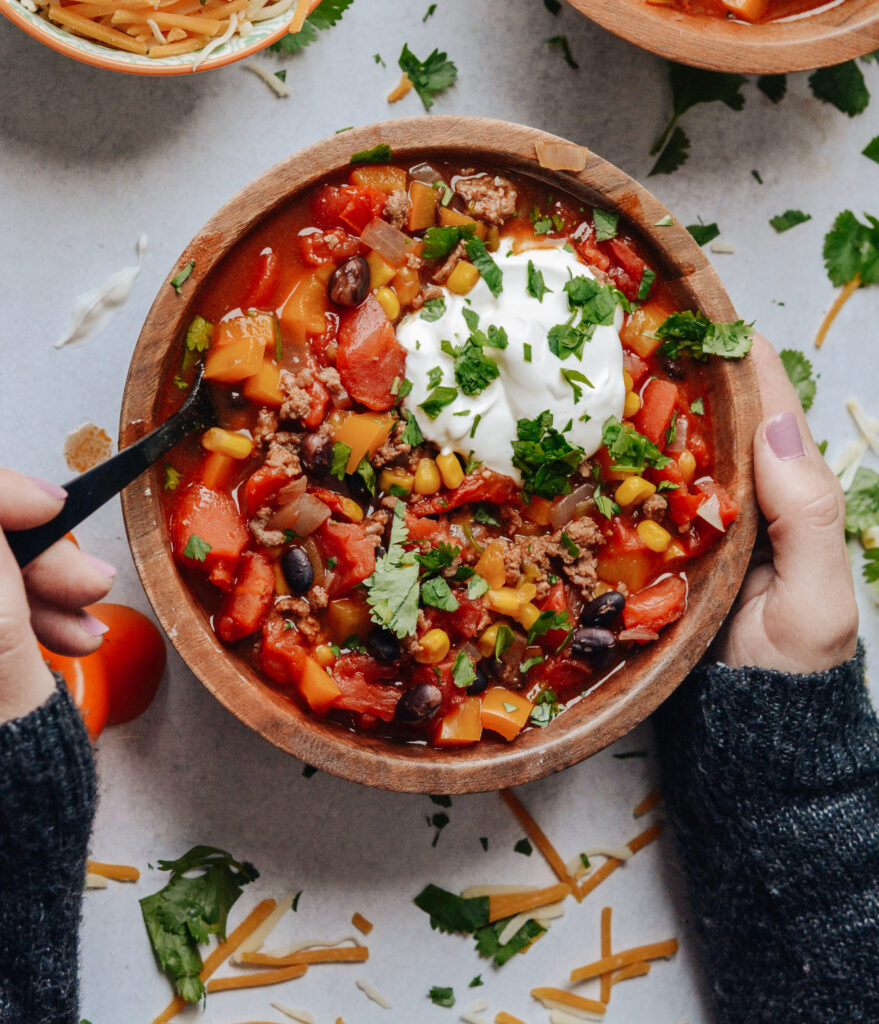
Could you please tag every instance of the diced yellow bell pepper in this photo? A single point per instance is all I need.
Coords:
(317, 687)
(305, 310)
(451, 218)
(422, 206)
(461, 726)
(263, 387)
(504, 711)
(348, 616)
(236, 361)
(384, 177)
(638, 333)
(490, 565)
(381, 272)
(363, 433)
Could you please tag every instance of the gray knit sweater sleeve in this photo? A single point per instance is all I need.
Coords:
(772, 785)
(47, 804)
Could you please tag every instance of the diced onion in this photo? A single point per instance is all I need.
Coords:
(561, 156)
(386, 240)
(640, 634)
(292, 490)
(522, 244)
(709, 510)
(303, 515)
(424, 173)
(681, 429)
(565, 510)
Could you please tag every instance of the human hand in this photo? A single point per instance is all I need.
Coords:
(796, 611)
(43, 601)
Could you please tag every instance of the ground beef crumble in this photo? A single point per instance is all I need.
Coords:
(393, 448)
(442, 275)
(551, 555)
(297, 401)
(329, 377)
(397, 208)
(654, 507)
(492, 199)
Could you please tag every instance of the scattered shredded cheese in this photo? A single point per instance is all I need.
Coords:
(723, 248)
(372, 993)
(566, 1017)
(537, 836)
(652, 951)
(215, 44)
(849, 461)
(263, 71)
(473, 892)
(118, 872)
(297, 947)
(472, 1018)
(256, 939)
(93, 881)
(572, 1013)
(303, 1016)
(869, 428)
(554, 998)
(480, 1006)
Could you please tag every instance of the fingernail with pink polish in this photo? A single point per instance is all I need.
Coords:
(104, 568)
(92, 626)
(783, 436)
(47, 487)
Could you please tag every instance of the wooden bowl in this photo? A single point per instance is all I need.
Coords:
(829, 36)
(629, 695)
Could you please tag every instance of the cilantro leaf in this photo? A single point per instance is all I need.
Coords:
(690, 86)
(474, 370)
(437, 400)
(562, 43)
(477, 586)
(675, 154)
(572, 377)
(429, 76)
(439, 557)
(605, 224)
(188, 910)
(544, 457)
(440, 241)
(700, 337)
(379, 154)
(503, 640)
(704, 233)
(629, 450)
(843, 86)
(568, 339)
(341, 454)
(773, 87)
(546, 622)
(536, 286)
(324, 16)
(852, 249)
(488, 944)
(463, 672)
(441, 996)
(862, 501)
(799, 371)
(871, 566)
(789, 219)
(451, 913)
(411, 433)
(367, 474)
(697, 406)
(545, 709)
(596, 302)
(437, 593)
(198, 335)
(392, 589)
(871, 150)
(489, 270)
(524, 847)
(179, 279)
(433, 309)
(196, 548)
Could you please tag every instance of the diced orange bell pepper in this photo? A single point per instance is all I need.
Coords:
(217, 470)
(750, 10)
(304, 312)
(363, 432)
(348, 616)
(490, 565)
(452, 218)
(384, 177)
(422, 206)
(317, 687)
(638, 333)
(236, 361)
(504, 711)
(461, 726)
(263, 387)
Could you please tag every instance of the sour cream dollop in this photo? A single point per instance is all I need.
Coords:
(523, 389)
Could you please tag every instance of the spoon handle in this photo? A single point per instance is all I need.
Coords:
(88, 492)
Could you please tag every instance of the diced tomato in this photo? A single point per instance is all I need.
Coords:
(467, 618)
(262, 487)
(369, 358)
(319, 399)
(682, 506)
(563, 673)
(585, 244)
(222, 575)
(213, 518)
(282, 655)
(629, 269)
(657, 605)
(320, 247)
(353, 550)
(249, 600)
(729, 511)
(555, 601)
(264, 280)
(360, 679)
(658, 402)
(483, 485)
(348, 206)
(635, 366)
(625, 558)
(423, 528)
(701, 451)
(334, 501)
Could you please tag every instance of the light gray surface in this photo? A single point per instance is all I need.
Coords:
(89, 161)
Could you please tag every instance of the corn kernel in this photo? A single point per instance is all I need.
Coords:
(631, 405)
(323, 655)
(687, 465)
(450, 470)
(380, 271)
(504, 600)
(462, 278)
(351, 510)
(427, 477)
(486, 643)
(656, 537)
(528, 615)
(527, 592)
(627, 380)
(633, 491)
(674, 551)
(870, 538)
(433, 647)
(236, 446)
(387, 299)
(398, 478)
(601, 588)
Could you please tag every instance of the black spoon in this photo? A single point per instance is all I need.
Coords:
(88, 492)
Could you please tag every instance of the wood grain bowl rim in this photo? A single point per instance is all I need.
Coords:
(623, 701)
(843, 32)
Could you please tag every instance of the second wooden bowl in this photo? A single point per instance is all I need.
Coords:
(831, 35)
(612, 708)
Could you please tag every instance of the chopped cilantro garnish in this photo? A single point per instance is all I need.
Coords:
(665, 222)
(475, 424)
(562, 43)
(434, 377)
(605, 224)
(437, 400)
(341, 454)
(509, 707)
(569, 545)
(488, 940)
(536, 286)
(279, 341)
(546, 622)
(843, 86)
(367, 474)
(433, 309)
(491, 273)
(477, 586)
(629, 450)
(178, 280)
(463, 672)
(526, 352)
(606, 506)
(411, 433)
(648, 276)
(666, 485)
(675, 154)
(440, 241)
(524, 847)
(379, 154)
(477, 981)
(773, 87)
(451, 913)
(281, 75)
(799, 371)
(568, 339)
(196, 548)
(544, 457)
(392, 589)
(474, 370)
(198, 335)
(545, 709)
(437, 593)
(324, 16)
(597, 302)
(430, 10)
(429, 76)
(439, 557)
(172, 478)
(530, 663)
(440, 996)
(871, 566)
(332, 562)
(789, 219)
(503, 640)
(481, 514)
(704, 233)
(179, 382)
(441, 800)
(700, 337)
(572, 377)
(851, 249)
(871, 150)
(862, 502)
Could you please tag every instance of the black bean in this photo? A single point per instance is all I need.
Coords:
(594, 644)
(297, 569)
(604, 610)
(349, 284)
(479, 683)
(382, 644)
(419, 703)
(672, 368)
(316, 454)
